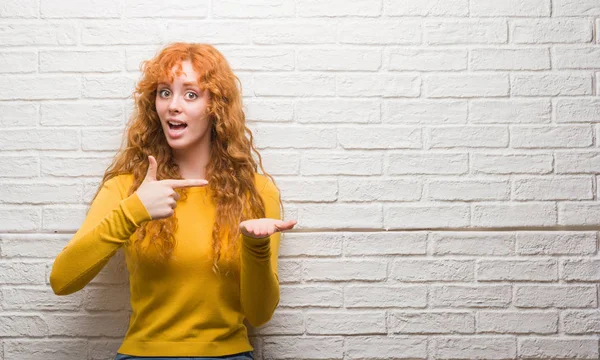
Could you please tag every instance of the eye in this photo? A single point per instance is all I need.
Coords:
(162, 92)
(194, 96)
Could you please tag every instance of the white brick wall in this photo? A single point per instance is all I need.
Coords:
(468, 129)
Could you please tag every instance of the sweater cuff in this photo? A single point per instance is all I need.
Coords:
(135, 210)
(258, 248)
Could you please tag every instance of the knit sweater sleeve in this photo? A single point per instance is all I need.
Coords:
(112, 218)
(259, 279)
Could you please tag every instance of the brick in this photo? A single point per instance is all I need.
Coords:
(431, 322)
(19, 87)
(509, 59)
(492, 111)
(369, 296)
(311, 244)
(551, 137)
(380, 137)
(18, 61)
(427, 163)
(219, 32)
(116, 32)
(581, 322)
(22, 273)
(19, 166)
(476, 244)
(187, 8)
(327, 216)
(566, 84)
(558, 296)
(422, 59)
(88, 9)
(102, 61)
(423, 270)
(384, 85)
(292, 32)
(82, 113)
(517, 270)
(267, 110)
(585, 110)
(37, 33)
(575, 8)
(557, 188)
(294, 136)
(449, 32)
(338, 59)
(517, 214)
(357, 189)
(244, 10)
(379, 31)
(40, 192)
(295, 85)
(311, 347)
(313, 296)
(575, 57)
(345, 323)
(581, 270)
(439, 111)
(385, 347)
(44, 349)
(543, 348)
(384, 243)
(20, 218)
(467, 190)
(426, 215)
(470, 296)
(556, 243)
(67, 166)
(511, 163)
(465, 86)
(543, 31)
(337, 111)
(494, 348)
(259, 59)
(468, 136)
(517, 322)
(344, 270)
(578, 213)
(341, 163)
(437, 8)
(533, 8)
(362, 8)
(26, 9)
(22, 326)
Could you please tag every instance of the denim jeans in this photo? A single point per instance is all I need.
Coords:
(248, 355)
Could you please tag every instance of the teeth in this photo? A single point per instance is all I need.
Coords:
(175, 123)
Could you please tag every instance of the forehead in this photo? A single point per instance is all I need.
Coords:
(181, 71)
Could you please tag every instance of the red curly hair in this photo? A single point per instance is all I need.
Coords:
(231, 168)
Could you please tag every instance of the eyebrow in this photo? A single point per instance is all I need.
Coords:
(187, 83)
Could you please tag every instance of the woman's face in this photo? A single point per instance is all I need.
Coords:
(182, 102)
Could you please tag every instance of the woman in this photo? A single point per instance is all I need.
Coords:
(201, 254)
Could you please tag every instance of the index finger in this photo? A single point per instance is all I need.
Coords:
(184, 183)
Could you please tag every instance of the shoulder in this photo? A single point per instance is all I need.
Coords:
(264, 185)
(120, 183)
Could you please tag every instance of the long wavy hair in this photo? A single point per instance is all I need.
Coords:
(231, 168)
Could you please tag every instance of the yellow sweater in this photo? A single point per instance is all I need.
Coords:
(181, 308)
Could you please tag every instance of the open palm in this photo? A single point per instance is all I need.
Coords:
(261, 228)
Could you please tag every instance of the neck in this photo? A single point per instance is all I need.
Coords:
(192, 162)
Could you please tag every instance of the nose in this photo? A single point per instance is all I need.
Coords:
(174, 105)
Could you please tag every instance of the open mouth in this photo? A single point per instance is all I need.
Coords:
(177, 126)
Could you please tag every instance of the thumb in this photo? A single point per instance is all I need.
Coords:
(151, 173)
